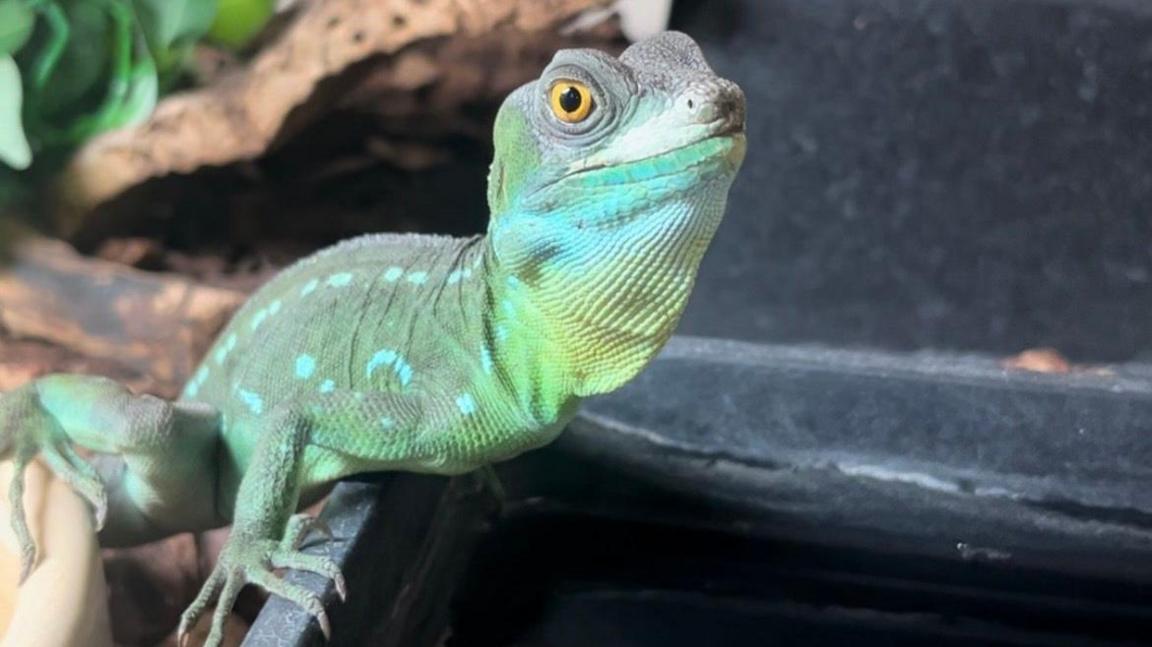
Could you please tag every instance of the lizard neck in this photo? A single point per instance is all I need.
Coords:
(588, 300)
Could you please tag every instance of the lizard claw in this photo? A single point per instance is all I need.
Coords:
(318, 564)
(28, 430)
(325, 626)
(250, 561)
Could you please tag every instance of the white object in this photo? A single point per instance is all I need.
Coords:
(643, 18)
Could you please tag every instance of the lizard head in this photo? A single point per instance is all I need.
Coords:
(609, 179)
(645, 128)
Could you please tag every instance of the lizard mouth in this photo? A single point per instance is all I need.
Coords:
(702, 155)
(731, 122)
(724, 146)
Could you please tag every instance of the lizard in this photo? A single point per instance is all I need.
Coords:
(417, 353)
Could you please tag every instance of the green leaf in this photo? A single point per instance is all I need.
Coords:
(16, 22)
(80, 74)
(168, 24)
(140, 99)
(238, 21)
(131, 93)
(14, 150)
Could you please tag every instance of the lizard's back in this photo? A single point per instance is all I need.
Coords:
(382, 312)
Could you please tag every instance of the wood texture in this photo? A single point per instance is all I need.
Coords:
(240, 116)
(153, 323)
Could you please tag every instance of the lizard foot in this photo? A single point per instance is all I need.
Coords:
(28, 431)
(300, 525)
(252, 561)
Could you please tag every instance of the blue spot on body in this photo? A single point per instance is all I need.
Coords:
(383, 357)
(466, 404)
(192, 389)
(404, 372)
(389, 357)
(417, 277)
(486, 359)
(393, 274)
(309, 287)
(305, 366)
(459, 275)
(225, 348)
(340, 280)
(513, 282)
(253, 400)
(501, 333)
(328, 386)
(509, 308)
(259, 318)
(387, 422)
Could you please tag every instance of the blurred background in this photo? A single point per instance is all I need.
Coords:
(939, 195)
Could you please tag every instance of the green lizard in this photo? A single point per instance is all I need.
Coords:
(419, 353)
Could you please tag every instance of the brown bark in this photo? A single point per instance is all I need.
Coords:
(153, 324)
(244, 113)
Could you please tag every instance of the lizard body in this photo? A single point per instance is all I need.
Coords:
(421, 353)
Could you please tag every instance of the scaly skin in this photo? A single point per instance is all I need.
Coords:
(420, 353)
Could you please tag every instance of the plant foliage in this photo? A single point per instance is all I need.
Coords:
(70, 69)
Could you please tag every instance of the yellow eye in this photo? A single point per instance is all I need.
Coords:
(571, 101)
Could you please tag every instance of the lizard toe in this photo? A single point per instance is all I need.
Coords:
(246, 560)
(27, 430)
(69, 467)
(318, 564)
(19, 519)
(299, 525)
(301, 597)
(204, 598)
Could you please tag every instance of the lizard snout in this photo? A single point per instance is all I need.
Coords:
(719, 102)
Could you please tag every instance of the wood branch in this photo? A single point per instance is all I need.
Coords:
(158, 325)
(433, 88)
(23, 360)
(242, 115)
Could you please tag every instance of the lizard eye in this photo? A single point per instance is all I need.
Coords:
(571, 101)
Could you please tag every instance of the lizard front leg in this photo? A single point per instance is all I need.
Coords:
(298, 445)
(166, 451)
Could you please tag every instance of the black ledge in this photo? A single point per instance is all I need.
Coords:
(948, 456)
(786, 491)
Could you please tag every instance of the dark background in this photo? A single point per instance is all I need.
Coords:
(969, 175)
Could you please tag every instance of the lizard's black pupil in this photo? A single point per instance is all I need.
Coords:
(570, 100)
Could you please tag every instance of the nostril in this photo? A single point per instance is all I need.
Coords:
(702, 109)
